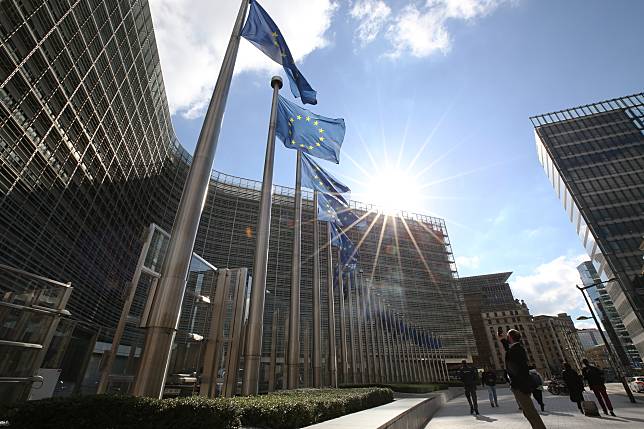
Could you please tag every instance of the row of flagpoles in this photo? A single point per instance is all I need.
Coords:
(404, 352)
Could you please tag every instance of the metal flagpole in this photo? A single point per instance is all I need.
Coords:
(364, 371)
(293, 362)
(317, 342)
(394, 360)
(253, 354)
(343, 325)
(442, 360)
(354, 375)
(384, 348)
(375, 349)
(273, 363)
(164, 318)
(394, 368)
(332, 359)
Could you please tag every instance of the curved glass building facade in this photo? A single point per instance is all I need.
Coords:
(89, 158)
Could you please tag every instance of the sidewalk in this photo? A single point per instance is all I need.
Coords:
(560, 413)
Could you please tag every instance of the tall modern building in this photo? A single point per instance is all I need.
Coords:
(589, 338)
(612, 322)
(594, 158)
(89, 159)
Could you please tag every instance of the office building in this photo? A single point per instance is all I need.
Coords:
(485, 293)
(559, 341)
(589, 337)
(89, 159)
(592, 156)
(607, 313)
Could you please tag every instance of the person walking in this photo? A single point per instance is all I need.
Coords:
(488, 379)
(537, 380)
(575, 385)
(516, 365)
(595, 379)
(469, 376)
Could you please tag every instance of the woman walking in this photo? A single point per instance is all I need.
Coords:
(537, 381)
(575, 385)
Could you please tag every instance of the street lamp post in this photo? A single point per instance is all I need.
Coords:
(616, 366)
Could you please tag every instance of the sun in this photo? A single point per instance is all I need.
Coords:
(393, 189)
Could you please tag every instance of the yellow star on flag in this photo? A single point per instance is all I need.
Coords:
(310, 147)
(292, 141)
(299, 117)
(292, 120)
(315, 123)
(321, 130)
(301, 145)
(308, 118)
(317, 144)
(321, 139)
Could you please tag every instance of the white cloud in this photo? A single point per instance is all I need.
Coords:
(372, 15)
(420, 30)
(468, 262)
(550, 289)
(192, 36)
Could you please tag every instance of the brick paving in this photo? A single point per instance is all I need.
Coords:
(560, 413)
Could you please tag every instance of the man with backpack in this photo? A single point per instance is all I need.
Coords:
(595, 379)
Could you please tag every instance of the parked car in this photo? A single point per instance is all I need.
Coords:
(184, 383)
(557, 386)
(636, 384)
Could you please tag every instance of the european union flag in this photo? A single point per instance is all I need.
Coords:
(316, 178)
(348, 252)
(335, 209)
(307, 132)
(261, 31)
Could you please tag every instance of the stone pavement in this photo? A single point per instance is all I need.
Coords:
(560, 412)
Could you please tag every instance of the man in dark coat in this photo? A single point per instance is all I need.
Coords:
(595, 378)
(521, 384)
(575, 385)
(469, 376)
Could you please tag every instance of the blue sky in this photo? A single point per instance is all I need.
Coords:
(441, 90)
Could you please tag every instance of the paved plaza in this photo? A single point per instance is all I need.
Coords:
(560, 413)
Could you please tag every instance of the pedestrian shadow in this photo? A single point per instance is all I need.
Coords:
(557, 413)
(486, 419)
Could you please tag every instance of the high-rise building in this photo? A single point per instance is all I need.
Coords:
(610, 319)
(484, 293)
(589, 337)
(592, 155)
(88, 159)
(559, 340)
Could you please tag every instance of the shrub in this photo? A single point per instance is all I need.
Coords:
(286, 409)
(303, 407)
(123, 412)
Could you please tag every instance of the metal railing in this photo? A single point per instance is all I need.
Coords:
(31, 307)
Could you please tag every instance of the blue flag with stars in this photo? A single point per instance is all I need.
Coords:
(307, 132)
(348, 252)
(316, 178)
(261, 31)
(335, 209)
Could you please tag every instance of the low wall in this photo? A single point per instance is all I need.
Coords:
(417, 416)
(409, 412)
